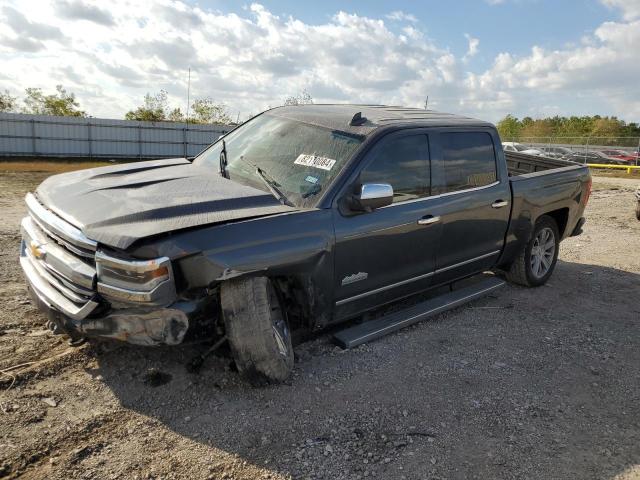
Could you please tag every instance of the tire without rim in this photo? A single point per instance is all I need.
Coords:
(536, 261)
(257, 329)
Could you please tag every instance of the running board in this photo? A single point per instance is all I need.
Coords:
(374, 329)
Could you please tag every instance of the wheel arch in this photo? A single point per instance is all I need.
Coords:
(560, 216)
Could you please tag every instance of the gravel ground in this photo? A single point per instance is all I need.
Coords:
(528, 383)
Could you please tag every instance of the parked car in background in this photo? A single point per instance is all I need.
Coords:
(594, 157)
(556, 152)
(621, 155)
(520, 148)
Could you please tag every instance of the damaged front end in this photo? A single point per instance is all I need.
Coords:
(89, 292)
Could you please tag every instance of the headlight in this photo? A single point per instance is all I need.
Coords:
(145, 281)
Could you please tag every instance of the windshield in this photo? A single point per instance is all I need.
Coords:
(298, 159)
(521, 148)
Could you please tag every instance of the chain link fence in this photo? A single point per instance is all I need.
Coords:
(604, 150)
(23, 135)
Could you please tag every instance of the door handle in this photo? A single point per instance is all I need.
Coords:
(428, 220)
(499, 204)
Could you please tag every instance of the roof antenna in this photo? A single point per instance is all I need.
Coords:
(358, 120)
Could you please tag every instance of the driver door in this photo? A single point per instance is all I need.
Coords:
(389, 252)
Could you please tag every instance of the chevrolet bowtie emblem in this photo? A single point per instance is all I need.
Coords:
(36, 250)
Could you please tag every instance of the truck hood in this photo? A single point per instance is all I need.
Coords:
(119, 205)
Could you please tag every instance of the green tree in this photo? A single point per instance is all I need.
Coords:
(302, 98)
(509, 128)
(153, 109)
(538, 128)
(206, 110)
(175, 115)
(570, 129)
(7, 102)
(60, 103)
(606, 127)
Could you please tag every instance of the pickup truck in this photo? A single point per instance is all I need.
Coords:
(300, 218)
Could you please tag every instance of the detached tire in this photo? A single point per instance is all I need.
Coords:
(257, 330)
(537, 260)
(638, 210)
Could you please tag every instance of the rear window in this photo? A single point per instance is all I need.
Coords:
(469, 160)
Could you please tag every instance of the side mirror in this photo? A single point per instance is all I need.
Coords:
(372, 196)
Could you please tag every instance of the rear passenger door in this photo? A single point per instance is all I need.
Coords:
(473, 201)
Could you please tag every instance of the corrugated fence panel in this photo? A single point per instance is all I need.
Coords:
(51, 136)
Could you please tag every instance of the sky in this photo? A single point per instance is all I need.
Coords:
(483, 58)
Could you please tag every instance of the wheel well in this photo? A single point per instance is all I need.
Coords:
(561, 217)
(295, 300)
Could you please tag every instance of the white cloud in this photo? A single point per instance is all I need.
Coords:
(400, 16)
(602, 71)
(630, 8)
(472, 50)
(111, 54)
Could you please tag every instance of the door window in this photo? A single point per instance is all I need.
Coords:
(469, 160)
(403, 163)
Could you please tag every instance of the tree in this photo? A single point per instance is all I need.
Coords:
(538, 129)
(7, 102)
(175, 115)
(153, 109)
(61, 103)
(302, 98)
(509, 127)
(574, 129)
(206, 110)
(606, 127)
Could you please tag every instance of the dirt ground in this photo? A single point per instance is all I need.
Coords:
(527, 383)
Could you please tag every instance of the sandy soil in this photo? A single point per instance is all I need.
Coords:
(528, 383)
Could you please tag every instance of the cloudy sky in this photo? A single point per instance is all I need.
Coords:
(484, 58)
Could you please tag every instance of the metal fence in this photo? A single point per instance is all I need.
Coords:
(24, 135)
(616, 148)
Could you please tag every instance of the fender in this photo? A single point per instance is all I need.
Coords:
(297, 246)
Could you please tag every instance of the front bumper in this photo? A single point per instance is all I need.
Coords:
(95, 317)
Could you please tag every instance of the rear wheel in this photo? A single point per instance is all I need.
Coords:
(537, 260)
(257, 329)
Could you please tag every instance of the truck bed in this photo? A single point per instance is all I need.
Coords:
(522, 163)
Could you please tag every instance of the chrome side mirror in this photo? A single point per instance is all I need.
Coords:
(372, 196)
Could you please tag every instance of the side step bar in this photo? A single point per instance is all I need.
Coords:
(374, 329)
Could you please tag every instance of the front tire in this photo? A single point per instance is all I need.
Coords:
(638, 210)
(537, 260)
(257, 329)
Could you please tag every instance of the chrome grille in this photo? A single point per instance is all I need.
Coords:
(59, 261)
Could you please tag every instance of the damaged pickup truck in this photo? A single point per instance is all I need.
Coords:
(302, 217)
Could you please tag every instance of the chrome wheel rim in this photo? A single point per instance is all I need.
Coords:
(542, 252)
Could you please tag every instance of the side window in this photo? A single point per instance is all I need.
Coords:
(404, 164)
(469, 160)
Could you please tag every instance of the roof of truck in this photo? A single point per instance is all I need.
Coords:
(339, 116)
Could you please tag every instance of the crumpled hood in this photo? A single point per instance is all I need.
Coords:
(121, 204)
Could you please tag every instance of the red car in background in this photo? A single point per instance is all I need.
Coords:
(621, 155)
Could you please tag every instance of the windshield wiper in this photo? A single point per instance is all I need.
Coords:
(223, 160)
(271, 185)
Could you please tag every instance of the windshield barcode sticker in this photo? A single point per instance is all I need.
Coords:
(323, 163)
